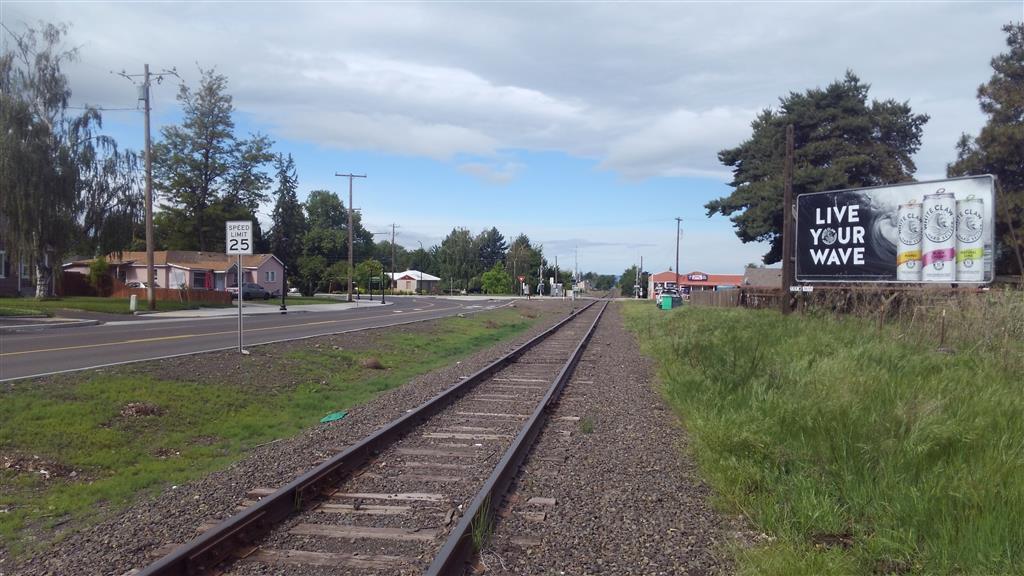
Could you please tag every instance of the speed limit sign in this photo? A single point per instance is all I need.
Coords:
(238, 237)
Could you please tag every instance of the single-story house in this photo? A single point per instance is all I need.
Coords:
(191, 269)
(691, 282)
(413, 281)
(17, 274)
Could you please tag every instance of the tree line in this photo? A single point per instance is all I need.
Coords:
(68, 189)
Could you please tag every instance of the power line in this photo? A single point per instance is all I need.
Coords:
(103, 109)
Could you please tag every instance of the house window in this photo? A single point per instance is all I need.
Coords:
(198, 279)
(3, 264)
(24, 268)
(270, 276)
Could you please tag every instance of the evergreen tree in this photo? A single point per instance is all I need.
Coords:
(491, 247)
(841, 141)
(289, 219)
(999, 148)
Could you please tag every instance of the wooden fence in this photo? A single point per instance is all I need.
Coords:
(718, 299)
(175, 295)
(77, 284)
(743, 297)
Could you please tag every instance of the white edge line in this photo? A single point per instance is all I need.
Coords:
(98, 366)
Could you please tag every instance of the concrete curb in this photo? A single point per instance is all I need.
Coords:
(47, 326)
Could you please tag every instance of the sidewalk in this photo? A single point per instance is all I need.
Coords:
(13, 324)
(252, 308)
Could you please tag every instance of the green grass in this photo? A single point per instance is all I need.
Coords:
(89, 304)
(858, 449)
(75, 423)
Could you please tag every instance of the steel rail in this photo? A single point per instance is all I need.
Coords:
(480, 513)
(206, 551)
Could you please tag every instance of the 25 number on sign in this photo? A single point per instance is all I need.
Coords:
(239, 246)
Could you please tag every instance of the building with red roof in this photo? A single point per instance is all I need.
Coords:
(691, 281)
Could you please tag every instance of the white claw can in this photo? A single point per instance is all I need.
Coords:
(908, 252)
(938, 246)
(970, 243)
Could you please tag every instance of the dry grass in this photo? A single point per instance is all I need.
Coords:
(961, 322)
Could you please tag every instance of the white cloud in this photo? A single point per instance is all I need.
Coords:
(646, 89)
(677, 143)
(494, 173)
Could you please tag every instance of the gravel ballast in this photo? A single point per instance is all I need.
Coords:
(627, 498)
(141, 533)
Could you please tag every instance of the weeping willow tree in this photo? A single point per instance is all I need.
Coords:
(63, 185)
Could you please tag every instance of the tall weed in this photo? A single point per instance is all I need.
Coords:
(860, 448)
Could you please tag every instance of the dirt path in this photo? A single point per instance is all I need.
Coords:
(626, 498)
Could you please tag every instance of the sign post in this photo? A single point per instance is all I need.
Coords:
(238, 240)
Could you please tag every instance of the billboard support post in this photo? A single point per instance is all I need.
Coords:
(788, 238)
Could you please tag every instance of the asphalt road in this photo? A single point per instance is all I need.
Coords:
(67, 349)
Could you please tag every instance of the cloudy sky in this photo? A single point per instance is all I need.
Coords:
(588, 126)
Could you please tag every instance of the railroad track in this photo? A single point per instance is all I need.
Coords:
(416, 496)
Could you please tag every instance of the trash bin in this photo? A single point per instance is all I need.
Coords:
(666, 303)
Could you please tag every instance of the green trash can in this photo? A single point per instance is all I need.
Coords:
(666, 303)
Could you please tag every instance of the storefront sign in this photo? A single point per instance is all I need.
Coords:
(697, 277)
(936, 232)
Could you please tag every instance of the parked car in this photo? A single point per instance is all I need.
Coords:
(250, 291)
(669, 293)
(138, 284)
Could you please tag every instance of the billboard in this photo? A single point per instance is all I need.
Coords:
(921, 232)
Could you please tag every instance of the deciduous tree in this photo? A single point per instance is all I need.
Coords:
(458, 257)
(63, 184)
(496, 280)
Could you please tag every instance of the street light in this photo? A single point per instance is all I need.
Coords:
(382, 268)
(284, 278)
(419, 286)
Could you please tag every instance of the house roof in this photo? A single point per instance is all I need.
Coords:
(188, 259)
(763, 277)
(412, 275)
(697, 278)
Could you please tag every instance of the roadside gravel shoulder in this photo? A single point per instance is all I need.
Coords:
(627, 497)
(141, 533)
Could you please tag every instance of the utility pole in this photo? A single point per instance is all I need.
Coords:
(144, 96)
(787, 223)
(678, 223)
(575, 266)
(640, 277)
(351, 266)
